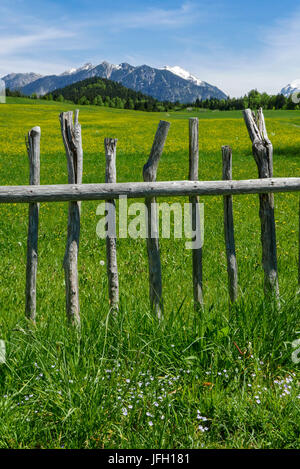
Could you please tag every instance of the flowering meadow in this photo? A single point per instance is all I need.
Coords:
(224, 377)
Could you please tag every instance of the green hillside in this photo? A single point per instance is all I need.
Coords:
(102, 92)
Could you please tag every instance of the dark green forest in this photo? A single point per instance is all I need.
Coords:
(102, 92)
(253, 100)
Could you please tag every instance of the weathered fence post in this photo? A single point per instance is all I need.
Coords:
(33, 149)
(194, 201)
(229, 228)
(149, 174)
(263, 154)
(110, 145)
(71, 133)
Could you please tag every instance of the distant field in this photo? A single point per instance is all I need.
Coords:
(80, 398)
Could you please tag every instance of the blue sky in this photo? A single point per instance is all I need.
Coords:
(233, 44)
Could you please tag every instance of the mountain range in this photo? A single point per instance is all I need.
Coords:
(16, 81)
(166, 84)
(293, 87)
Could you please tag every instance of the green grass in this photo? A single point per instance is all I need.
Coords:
(61, 388)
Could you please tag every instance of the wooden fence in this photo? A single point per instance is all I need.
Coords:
(74, 192)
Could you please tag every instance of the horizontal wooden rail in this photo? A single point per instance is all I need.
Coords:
(133, 190)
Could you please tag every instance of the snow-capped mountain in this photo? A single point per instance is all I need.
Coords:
(16, 81)
(293, 87)
(73, 71)
(167, 84)
(180, 72)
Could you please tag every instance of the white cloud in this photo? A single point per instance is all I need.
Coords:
(268, 60)
(17, 43)
(268, 65)
(152, 18)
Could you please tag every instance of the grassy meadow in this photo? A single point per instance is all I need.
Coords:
(220, 379)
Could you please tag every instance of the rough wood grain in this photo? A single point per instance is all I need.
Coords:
(229, 228)
(194, 201)
(71, 133)
(262, 150)
(110, 145)
(149, 174)
(136, 190)
(33, 149)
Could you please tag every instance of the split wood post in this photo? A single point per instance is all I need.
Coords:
(263, 154)
(229, 228)
(71, 134)
(110, 145)
(33, 149)
(149, 174)
(194, 201)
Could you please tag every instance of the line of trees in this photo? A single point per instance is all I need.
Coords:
(252, 100)
(14, 94)
(102, 92)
